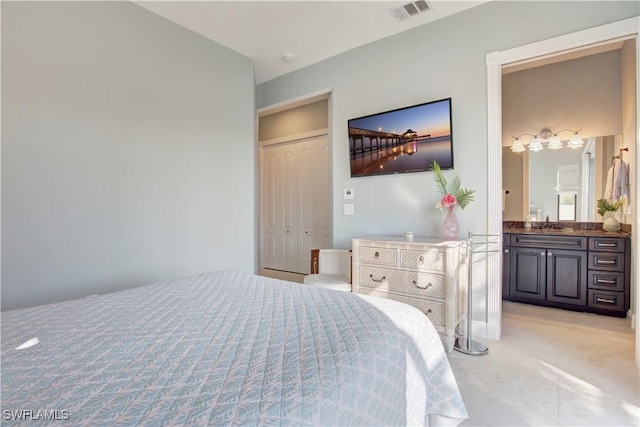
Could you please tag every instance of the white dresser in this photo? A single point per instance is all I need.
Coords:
(428, 274)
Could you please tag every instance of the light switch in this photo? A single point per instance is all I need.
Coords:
(348, 209)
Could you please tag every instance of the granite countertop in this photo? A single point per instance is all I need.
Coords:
(586, 229)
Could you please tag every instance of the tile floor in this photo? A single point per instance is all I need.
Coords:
(552, 368)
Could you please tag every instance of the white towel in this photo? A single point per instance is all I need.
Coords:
(608, 187)
(620, 180)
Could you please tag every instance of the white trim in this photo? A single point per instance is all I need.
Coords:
(495, 60)
(631, 318)
(294, 138)
(623, 30)
(309, 98)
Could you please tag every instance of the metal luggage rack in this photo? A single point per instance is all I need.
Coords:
(466, 344)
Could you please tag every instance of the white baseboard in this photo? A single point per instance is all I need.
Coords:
(631, 318)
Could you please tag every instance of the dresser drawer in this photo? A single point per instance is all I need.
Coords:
(608, 280)
(606, 300)
(414, 283)
(606, 261)
(609, 244)
(377, 256)
(422, 260)
(433, 309)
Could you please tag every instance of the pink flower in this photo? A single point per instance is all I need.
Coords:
(448, 201)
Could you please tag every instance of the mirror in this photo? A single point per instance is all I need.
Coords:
(533, 181)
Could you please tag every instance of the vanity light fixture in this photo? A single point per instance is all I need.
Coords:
(575, 140)
(517, 146)
(536, 144)
(554, 142)
(551, 138)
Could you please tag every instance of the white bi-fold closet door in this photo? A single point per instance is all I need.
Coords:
(295, 203)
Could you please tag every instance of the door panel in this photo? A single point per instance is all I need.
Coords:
(279, 197)
(527, 273)
(567, 277)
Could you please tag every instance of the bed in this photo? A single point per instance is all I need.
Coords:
(226, 348)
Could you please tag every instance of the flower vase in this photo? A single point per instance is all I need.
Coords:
(450, 227)
(610, 223)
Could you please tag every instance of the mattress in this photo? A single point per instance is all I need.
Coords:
(226, 348)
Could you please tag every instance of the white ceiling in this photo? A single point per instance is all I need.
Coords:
(311, 31)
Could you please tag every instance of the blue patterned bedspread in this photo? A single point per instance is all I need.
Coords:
(226, 348)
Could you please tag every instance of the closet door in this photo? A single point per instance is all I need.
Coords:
(280, 240)
(314, 198)
(295, 203)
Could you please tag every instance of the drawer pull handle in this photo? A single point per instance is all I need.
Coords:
(378, 281)
(606, 245)
(421, 259)
(606, 300)
(506, 251)
(428, 312)
(415, 283)
(376, 255)
(607, 281)
(605, 261)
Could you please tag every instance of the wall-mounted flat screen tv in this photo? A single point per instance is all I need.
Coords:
(401, 141)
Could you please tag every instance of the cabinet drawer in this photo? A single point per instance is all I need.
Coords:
(423, 260)
(606, 300)
(433, 309)
(606, 261)
(548, 242)
(608, 280)
(377, 256)
(609, 244)
(420, 284)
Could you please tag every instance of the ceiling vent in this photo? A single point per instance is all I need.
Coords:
(410, 9)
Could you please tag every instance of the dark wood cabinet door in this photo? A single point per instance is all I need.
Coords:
(527, 273)
(567, 277)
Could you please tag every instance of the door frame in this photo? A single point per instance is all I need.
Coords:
(273, 109)
(604, 34)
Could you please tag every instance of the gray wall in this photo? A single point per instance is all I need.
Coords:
(127, 151)
(295, 121)
(583, 93)
(515, 172)
(448, 59)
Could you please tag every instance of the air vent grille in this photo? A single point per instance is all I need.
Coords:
(410, 9)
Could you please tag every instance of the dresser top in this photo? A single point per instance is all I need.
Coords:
(390, 238)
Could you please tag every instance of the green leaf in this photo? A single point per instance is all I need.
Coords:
(453, 186)
(604, 206)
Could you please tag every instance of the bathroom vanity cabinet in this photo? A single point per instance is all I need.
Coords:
(576, 272)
